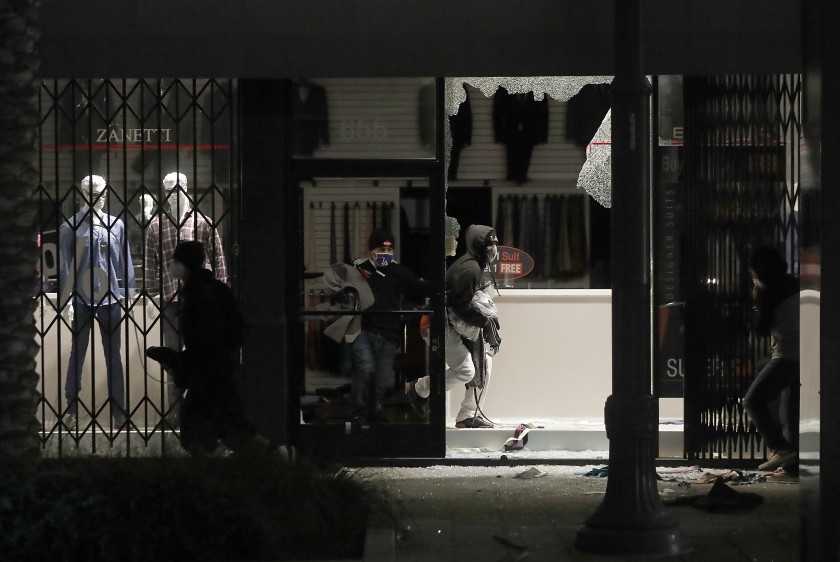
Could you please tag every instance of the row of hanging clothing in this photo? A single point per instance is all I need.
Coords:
(338, 231)
(552, 229)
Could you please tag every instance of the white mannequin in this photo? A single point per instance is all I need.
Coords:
(177, 197)
(178, 200)
(93, 197)
(181, 222)
(147, 202)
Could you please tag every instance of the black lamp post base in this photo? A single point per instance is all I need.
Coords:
(632, 541)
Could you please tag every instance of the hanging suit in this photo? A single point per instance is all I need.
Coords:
(461, 126)
(520, 123)
(586, 112)
(311, 119)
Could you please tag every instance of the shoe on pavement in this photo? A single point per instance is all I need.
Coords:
(477, 422)
(418, 404)
(70, 422)
(777, 459)
(781, 475)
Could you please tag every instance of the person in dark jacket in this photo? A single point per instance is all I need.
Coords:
(776, 314)
(394, 287)
(472, 328)
(212, 330)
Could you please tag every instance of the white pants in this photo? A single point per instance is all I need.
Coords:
(459, 371)
(469, 405)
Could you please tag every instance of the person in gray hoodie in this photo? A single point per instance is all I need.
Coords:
(472, 329)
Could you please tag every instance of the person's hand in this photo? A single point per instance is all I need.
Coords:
(163, 355)
(151, 310)
(67, 313)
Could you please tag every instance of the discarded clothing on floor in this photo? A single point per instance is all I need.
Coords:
(720, 499)
(602, 472)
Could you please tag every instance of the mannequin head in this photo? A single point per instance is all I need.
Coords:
(93, 192)
(175, 187)
(147, 202)
(451, 236)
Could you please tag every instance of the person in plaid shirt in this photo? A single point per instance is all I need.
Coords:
(165, 231)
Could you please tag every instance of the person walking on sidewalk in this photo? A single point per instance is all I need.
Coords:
(212, 329)
(472, 335)
(776, 313)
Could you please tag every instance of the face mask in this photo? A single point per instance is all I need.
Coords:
(178, 270)
(383, 259)
(492, 253)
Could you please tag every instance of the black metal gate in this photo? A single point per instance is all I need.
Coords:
(127, 169)
(742, 189)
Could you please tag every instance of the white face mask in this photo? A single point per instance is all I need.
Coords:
(178, 270)
(492, 253)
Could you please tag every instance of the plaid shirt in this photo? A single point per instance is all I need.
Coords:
(163, 234)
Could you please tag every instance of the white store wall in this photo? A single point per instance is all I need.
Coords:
(556, 359)
(556, 355)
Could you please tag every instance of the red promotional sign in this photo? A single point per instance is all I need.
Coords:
(513, 263)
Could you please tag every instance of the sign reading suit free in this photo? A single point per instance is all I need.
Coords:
(513, 263)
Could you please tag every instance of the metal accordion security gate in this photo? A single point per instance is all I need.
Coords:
(128, 168)
(742, 191)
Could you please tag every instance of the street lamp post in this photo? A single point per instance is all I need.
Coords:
(631, 520)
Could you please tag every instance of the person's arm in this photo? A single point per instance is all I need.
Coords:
(460, 292)
(126, 263)
(151, 269)
(67, 255)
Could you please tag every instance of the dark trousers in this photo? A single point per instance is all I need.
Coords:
(108, 318)
(518, 160)
(211, 410)
(171, 328)
(373, 370)
(779, 379)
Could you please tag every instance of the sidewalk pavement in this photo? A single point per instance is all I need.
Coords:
(533, 513)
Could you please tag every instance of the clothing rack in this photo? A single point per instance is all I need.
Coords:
(338, 222)
(551, 224)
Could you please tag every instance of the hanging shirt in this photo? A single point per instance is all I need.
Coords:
(163, 234)
(95, 259)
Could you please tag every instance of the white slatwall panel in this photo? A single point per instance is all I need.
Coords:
(373, 118)
(317, 220)
(558, 159)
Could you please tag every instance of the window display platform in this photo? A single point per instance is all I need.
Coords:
(552, 438)
(104, 442)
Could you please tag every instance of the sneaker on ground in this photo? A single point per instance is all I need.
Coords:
(477, 422)
(777, 459)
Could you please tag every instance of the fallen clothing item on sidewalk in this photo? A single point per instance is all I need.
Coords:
(519, 439)
(720, 499)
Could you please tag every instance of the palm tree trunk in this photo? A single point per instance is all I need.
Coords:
(19, 63)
